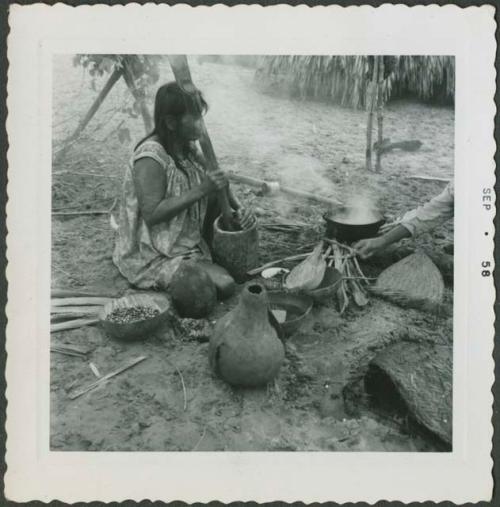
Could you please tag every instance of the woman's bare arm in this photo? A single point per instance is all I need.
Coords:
(150, 182)
(243, 216)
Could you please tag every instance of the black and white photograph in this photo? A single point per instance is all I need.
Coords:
(252, 253)
(236, 267)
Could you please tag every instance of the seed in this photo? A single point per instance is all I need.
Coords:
(132, 314)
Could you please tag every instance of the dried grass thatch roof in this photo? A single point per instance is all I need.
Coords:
(344, 79)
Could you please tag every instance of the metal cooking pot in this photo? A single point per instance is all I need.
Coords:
(348, 232)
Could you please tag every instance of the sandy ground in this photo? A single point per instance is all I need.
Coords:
(313, 146)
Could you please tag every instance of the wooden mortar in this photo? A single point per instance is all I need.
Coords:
(237, 251)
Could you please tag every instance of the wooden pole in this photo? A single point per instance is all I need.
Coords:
(182, 75)
(115, 76)
(428, 178)
(380, 111)
(372, 94)
(128, 75)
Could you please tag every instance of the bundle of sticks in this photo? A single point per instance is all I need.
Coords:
(354, 283)
(72, 309)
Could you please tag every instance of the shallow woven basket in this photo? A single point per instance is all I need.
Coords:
(140, 329)
(421, 374)
(414, 282)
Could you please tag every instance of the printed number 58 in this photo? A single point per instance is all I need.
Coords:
(485, 272)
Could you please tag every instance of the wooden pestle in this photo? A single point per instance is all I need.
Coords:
(183, 78)
(261, 184)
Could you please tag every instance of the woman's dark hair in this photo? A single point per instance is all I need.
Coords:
(170, 100)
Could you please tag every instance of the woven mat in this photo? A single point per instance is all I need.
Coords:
(414, 281)
(421, 374)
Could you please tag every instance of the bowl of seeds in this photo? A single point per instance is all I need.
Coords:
(135, 316)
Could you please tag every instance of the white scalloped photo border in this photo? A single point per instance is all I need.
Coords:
(40, 31)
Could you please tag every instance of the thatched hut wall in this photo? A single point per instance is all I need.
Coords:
(242, 60)
(344, 79)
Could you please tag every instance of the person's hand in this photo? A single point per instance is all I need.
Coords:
(216, 180)
(245, 217)
(366, 248)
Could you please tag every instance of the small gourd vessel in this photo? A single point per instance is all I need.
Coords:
(245, 348)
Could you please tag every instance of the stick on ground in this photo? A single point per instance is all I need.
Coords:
(72, 324)
(71, 293)
(200, 439)
(75, 213)
(97, 383)
(68, 310)
(94, 369)
(428, 178)
(72, 348)
(66, 352)
(60, 317)
(79, 301)
(183, 387)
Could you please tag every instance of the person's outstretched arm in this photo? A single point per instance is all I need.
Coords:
(422, 219)
(368, 247)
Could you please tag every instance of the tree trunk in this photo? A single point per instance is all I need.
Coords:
(372, 94)
(380, 108)
(139, 97)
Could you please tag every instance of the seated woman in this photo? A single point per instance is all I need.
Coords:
(169, 200)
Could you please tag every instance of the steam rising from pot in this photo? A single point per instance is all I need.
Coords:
(359, 210)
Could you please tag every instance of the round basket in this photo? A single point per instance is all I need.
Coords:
(414, 281)
(139, 329)
(328, 287)
(297, 306)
